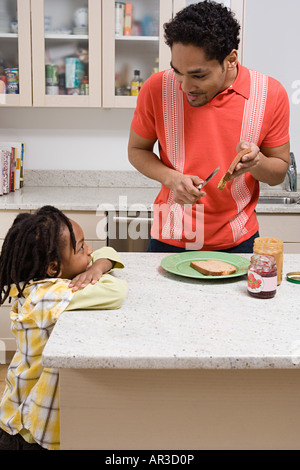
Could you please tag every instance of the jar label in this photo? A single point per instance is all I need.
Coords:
(257, 283)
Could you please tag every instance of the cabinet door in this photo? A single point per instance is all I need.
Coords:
(137, 47)
(15, 53)
(237, 6)
(66, 53)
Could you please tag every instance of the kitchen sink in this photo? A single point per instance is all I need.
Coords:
(278, 200)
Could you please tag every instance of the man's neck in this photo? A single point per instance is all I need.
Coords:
(230, 78)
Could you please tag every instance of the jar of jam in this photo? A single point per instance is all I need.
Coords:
(262, 276)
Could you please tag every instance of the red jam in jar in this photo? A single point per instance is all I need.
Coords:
(262, 277)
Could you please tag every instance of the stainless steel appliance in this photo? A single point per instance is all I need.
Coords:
(129, 230)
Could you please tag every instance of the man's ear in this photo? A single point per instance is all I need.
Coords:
(232, 59)
(52, 269)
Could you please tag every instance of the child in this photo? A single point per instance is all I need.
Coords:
(41, 253)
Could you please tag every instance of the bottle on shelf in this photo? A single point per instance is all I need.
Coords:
(156, 67)
(136, 83)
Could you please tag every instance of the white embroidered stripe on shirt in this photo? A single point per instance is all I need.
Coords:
(174, 134)
(254, 111)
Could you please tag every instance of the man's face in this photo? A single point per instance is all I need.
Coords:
(200, 79)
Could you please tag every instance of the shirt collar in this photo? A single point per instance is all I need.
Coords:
(241, 84)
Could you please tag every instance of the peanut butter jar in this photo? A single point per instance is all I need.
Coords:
(271, 246)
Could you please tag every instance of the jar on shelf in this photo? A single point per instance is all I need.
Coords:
(262, 276)
(271, 246)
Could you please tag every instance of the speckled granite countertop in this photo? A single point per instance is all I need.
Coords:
(89, 191)
(79, 199)
(169, 321)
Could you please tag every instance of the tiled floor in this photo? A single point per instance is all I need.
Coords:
(3, 369)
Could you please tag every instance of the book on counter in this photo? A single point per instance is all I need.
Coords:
(11, 166)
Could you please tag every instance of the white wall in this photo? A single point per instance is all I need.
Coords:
(77, 139)
(271, 46)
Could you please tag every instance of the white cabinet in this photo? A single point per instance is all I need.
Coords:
(61, 52)
(144, 49)
(283, 226)
(73, 48)
(15, 52)
(49, 36)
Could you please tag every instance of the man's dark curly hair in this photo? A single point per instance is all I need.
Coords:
(31, 243)
(209, 25)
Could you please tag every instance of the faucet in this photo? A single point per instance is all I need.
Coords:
(292, 174)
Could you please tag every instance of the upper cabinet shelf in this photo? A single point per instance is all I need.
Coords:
(71, 37)
(8, 35)
(137, 38)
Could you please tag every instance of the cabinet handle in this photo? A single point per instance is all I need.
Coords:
(128, 219)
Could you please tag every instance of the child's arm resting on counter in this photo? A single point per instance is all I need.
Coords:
(103, 261)
(106, 292)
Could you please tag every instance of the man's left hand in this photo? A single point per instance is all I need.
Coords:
(248, 161)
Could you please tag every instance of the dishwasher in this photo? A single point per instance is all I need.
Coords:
(129, 230)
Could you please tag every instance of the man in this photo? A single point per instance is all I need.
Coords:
(203, 111)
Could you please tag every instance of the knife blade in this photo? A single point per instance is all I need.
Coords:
(208, 178)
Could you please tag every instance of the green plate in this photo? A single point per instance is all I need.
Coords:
(179, 263)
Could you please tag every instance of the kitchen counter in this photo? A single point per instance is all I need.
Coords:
(91, 191)
(79, 199)
(183, 364)
(209, 324)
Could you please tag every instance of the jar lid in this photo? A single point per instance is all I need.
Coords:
(293, 277)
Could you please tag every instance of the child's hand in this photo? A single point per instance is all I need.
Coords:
(91, 275)
(83, 279)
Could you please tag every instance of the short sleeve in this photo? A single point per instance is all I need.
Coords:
(109, 253)
(278, 133)
(143, 122)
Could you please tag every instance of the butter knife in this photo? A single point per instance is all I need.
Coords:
(208, 178)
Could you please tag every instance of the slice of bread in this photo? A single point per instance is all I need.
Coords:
(213, 267)
(225, 178)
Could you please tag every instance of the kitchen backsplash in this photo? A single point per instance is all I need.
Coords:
(96, 179)
(104, 179)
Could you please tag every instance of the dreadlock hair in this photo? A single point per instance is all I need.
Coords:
(31, 243)
(207, 24)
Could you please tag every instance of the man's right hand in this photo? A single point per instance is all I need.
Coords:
(185, 188)
(141, 156)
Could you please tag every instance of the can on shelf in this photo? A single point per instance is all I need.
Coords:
(51, 75)
(119, 18)
(12, 76)
(84, 86)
